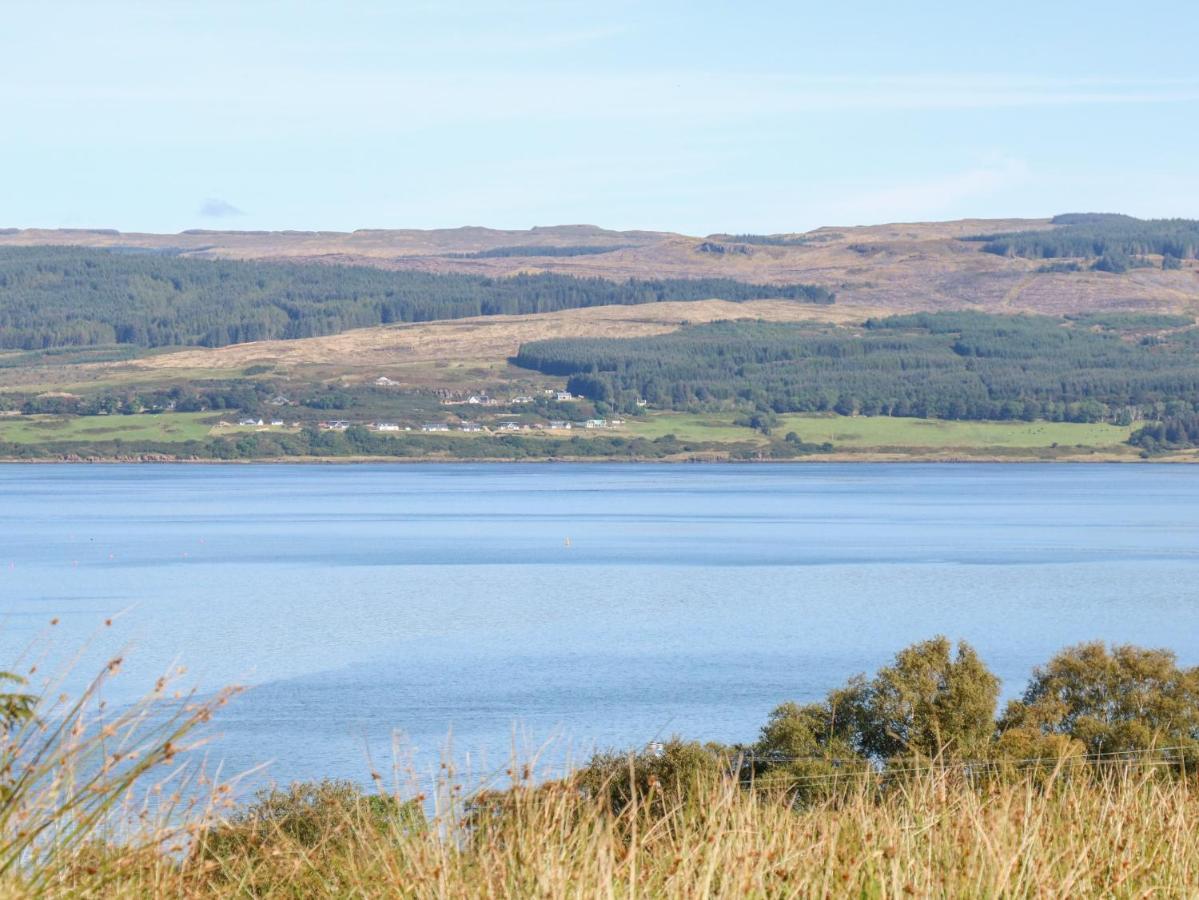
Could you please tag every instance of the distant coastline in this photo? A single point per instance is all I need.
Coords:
(860, 458)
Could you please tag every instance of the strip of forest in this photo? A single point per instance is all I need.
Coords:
(953, 365)
(1115, 242)
(74, 297)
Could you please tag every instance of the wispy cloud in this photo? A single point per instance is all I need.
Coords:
(947, 195)
(216, 208)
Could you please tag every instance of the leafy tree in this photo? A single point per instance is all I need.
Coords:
(930, 702)
(804, 749)
(1109, 700)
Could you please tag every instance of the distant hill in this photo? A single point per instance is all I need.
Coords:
(898, 267)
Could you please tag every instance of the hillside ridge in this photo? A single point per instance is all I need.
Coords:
(901, 266)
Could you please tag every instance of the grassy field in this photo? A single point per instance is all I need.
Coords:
(163, 428)
(689, 427)
(883, 433)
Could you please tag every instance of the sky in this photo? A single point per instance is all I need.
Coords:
(696, 117)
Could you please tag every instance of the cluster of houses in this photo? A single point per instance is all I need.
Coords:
(509, 427)
(431, 427)
(447, 399)
(252, 422)
(472, 400)
(484, 400)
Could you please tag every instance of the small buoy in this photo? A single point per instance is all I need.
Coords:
(566, 543)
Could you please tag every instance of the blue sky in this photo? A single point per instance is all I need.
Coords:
(694, 117)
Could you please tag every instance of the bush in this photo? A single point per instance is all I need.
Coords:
(308, 814)
(659, 776)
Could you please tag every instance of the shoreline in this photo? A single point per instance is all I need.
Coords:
(1180, 458)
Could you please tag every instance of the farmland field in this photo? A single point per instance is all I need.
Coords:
(163, 427)
(882, 432)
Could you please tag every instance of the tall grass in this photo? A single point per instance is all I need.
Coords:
(86, 790)
(96, 802)
(1126, 832)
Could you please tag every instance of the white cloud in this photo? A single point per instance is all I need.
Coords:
(216, 208)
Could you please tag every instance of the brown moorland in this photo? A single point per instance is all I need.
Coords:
(898, 267)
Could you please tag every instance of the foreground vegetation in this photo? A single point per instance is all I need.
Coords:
(939, 835)
(907, 783)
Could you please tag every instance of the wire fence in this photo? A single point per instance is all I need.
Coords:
(1141, 758)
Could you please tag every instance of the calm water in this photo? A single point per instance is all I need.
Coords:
(591, 605)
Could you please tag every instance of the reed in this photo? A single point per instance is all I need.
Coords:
(88, 790)
(1126, 832)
